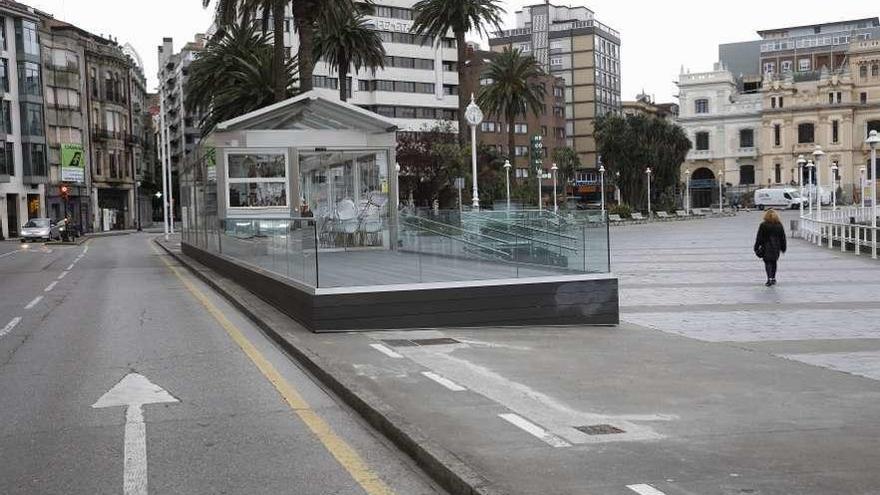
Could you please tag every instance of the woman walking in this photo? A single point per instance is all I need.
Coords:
(770, 243)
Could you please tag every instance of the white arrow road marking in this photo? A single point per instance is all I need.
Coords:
(9, 326)
(133, 392)
(643, 489)
(50, 286)
(71, 266)
(34, 302)
(63, 274)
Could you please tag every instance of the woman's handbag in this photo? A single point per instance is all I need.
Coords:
(759, 250)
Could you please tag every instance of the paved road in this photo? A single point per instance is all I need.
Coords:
(701, 280)
(725, 387)
(74, 321)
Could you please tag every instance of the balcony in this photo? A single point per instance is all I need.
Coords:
(746, 152)
(99, 134)
(700, 155)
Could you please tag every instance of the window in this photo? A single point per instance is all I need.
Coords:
(4, 73)
(32, 119)
(93, 81)
(559, 132)
(803, 65)
(781, 102)
(830, 98)
(524, 47)
(26, 37)
(777, 173)
(522, 173)
(786, 66)
(839, 97)
(875, 70)
(257, 180)
(7, 158)
(521, 128)
(769, 67)
(29, 79)
(543, 130)
(521, 151)
(872, 125)
(863, 71)
(34, 160)
(701, 106)
(702, 141)
(806, 133)
(487, 127)
(558, 91)
(747, 174)
(777, 135)
(559, 111)
(863, 98)
(746, 138)
(555, 61)
(3, 34)
(835, 131)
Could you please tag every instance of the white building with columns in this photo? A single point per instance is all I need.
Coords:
(723, 123)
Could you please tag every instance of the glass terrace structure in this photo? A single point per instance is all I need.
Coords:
(298, 203)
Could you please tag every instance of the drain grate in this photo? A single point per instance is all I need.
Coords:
(399, 343)
(599, 429)
(419, 342)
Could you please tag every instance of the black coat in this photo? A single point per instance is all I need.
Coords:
(771, 238)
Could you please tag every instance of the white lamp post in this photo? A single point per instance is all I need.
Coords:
(872, 141)
(810, 166)
(800, 163)
(862, 185)
(834, 169)
(721, 191)
(539, 170)
(397, 187)
(507, 176)
(617, 195)
(687, 190)
(554, 169)
(602, 186)
(474, 117)
(817, 155)
(648, 173)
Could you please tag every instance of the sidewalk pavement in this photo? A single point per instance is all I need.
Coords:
(598, 410)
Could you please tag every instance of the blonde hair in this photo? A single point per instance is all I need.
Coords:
(770, 216)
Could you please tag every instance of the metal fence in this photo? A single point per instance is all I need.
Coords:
(850, 227)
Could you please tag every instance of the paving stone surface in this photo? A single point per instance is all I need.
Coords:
(701, 280)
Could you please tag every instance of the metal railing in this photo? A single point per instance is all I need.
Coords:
(850, 227)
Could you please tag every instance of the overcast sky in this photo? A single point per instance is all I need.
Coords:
(657, 37)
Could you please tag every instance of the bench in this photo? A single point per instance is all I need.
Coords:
(681, 214)
(662, 215)
(636, 216)
(615, 219)
(699, 212)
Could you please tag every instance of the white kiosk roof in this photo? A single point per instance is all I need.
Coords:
(310, 110)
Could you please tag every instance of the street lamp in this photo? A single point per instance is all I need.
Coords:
(602, 186)
(721, 192)
(507, 176)
(800, 163)
(834, 169)
(810, 166)
(872, 141)
(397, 187)
(687, 190)
(817, 155)
(617, 195)
(474, 117)
(648, 173)
(554, 169)
(862, 185)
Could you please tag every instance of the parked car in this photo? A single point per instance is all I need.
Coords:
(39, 229)
(779, 198)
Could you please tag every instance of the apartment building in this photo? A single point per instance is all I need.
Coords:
(181, 121)
(645, 105)
(23, 169)
(570, 43)
(549, 124)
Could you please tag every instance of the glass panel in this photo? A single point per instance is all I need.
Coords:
(253, 166)
(257, 194)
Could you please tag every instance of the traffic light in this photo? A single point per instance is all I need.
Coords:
(537, 151)
(65, 192)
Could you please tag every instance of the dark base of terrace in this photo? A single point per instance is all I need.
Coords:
(583, 299)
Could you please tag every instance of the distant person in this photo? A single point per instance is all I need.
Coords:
(770, 243)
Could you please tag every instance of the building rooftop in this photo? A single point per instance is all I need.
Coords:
(825, 27)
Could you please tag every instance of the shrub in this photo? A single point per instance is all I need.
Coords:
(623, 210)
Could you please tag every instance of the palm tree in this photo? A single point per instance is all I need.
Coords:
(235, 74)
(347, 40)
(515, 90)
(435, 18)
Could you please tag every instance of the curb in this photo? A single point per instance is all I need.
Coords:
(442, 466)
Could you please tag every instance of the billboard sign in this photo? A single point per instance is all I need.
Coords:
(73, 163)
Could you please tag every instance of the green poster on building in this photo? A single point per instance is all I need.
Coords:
(73, 163)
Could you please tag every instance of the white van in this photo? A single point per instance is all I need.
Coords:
(779, 198)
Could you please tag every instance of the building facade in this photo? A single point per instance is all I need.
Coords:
(645, 105)
(181, 121)
(570, 43)
(724, 126)
(809, 87)
(549, 124)
(23, 169)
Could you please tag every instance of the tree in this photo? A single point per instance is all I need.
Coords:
(235, 74)
(515, 90)
(348, 40)
(628, 145)
(568, 162)
(429, 162)
(435, 18)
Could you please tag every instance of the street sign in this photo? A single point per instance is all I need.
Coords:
(72, 163)
(459, 182)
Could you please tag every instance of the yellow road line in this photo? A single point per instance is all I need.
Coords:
(344, 453)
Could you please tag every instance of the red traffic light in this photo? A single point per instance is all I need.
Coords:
(64, 190)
